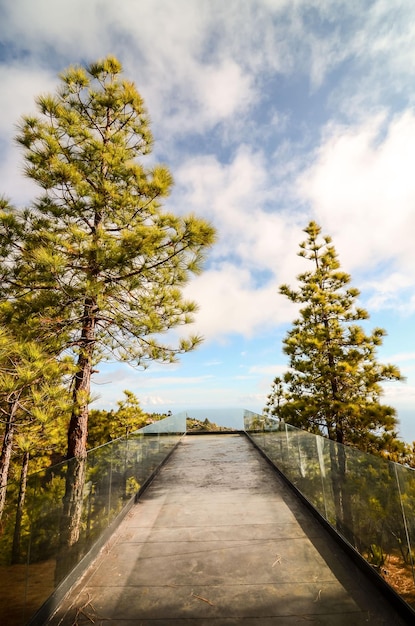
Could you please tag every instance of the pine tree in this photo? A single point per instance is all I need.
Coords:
(129, 417)
(96, 264)
(103, 262)
(276, 399)
(333, 386)
(105, 426)
(39, 436)
(30, 389)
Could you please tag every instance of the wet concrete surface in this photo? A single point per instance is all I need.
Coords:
(219, 539)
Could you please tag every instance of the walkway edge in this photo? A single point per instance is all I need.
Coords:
(402, 607)
(48, 608)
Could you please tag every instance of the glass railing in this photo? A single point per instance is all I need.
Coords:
(368, 500)
(67, 509)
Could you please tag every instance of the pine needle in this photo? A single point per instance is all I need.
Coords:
(203, 599)
(318, 598)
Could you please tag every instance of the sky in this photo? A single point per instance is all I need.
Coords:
(269, 114)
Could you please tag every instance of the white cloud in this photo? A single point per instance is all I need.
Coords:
(199, 64)
(154, 401)
(59, 27)
(162, 45)
(216, 75)
(256, 250)
(399, 394)
(230, 303)
(362, 191)
(224, 89)
(222, 189)
(402, 356)
(271, 369)
(392, 291)
(252, 399)
(20, 85)
(244, 203)
(167, 46)
(158, 386)
(360, 184)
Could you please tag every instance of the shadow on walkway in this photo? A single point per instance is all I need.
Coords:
(218, 538)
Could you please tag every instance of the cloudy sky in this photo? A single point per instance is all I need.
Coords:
(269, 113)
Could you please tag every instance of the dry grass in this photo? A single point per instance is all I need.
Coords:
(399, 575)
(23, 590)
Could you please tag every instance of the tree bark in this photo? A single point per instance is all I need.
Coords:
(342, 504)
(6, 451)
(16, 548)
(78, 426)
(70, 524)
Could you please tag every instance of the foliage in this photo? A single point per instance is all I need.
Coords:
(32, 400)
(105, 426)
(276, 399)
(333, 386)
(102, 263)
(203, 425)
(380, 519)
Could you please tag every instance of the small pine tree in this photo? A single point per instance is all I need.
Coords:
(276, 399)
(104, 426)
(31, 394)
(333, 384)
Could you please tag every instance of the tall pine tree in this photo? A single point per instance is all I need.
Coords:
(103, 262)
(96, 263)
(333, 386)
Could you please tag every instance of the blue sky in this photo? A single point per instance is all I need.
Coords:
(269, 113)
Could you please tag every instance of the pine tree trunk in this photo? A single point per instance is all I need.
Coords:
(78, 431)
(77, 445)
(70, 525)
(342, 504)
(6, 452)
(16, 548)
(347, 517)
(73, 502)
(335, 481)
(78, 427)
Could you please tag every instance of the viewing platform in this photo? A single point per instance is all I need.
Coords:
(218, 538)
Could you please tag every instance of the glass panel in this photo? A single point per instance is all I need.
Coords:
(368, 500)
(173, 424)
(229, 417)
(67, 507)
(404, 530)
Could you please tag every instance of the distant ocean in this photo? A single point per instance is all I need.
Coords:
(229, 417)
(406, 427)
(234, 418)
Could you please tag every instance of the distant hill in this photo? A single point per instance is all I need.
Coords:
(204, 426)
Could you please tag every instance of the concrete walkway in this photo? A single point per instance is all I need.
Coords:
(218, 539)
